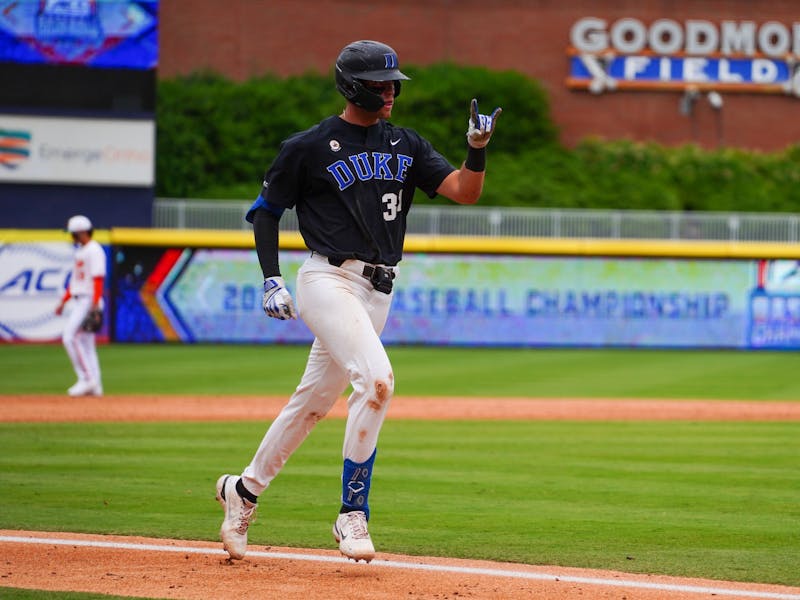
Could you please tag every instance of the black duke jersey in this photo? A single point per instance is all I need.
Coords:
(352, 186)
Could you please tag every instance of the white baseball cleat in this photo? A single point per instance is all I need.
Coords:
(85, 388)
(350, 530)
(73, 389)
(239, 513)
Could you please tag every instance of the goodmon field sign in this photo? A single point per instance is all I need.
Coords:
(734, 56)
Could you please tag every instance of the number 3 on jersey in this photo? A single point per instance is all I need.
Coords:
(394, 205)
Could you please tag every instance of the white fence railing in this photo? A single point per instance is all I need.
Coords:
(519, 222)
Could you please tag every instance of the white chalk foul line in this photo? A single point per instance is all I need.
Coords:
(396, 564)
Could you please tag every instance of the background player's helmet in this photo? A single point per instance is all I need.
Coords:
(79, 223)
(366, 60)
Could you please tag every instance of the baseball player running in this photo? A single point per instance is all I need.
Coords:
(86, 291)
(351, 178)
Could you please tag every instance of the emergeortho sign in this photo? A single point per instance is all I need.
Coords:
(740, 56)
(113, 152)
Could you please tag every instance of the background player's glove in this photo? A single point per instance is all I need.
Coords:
(277, 302)
(481, 127)
(93, 320)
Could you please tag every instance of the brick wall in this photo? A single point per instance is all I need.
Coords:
(241, 38)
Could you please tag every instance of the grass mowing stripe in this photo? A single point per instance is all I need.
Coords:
(22, 594)
(703, 500)
(419, 371)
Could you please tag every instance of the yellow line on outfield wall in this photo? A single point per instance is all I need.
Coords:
(208, 238)
(601, 247)
(46, 235)
(203, 238)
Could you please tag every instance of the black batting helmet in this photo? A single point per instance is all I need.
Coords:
(366, 60)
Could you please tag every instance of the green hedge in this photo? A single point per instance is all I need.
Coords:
(216, 137)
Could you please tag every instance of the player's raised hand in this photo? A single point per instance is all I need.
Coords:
(277, 301)
(481, 127)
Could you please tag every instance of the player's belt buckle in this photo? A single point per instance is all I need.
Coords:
(380, 277)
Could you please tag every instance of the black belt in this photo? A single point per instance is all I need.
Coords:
(380, 277)
(370, 270)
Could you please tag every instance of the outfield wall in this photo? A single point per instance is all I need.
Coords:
(204, 286)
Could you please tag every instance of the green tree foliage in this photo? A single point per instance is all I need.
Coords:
(213, 133)
(436, 103)
(216, 137)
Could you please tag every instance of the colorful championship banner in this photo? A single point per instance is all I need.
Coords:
(547, 301)
(698, 55)
(94, 33)
(187, 295)
(214, 295)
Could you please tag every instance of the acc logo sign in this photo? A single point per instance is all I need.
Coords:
(14, 147)
(32, 279)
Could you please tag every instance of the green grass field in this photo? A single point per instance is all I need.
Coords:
(717, 500)
(234, 370)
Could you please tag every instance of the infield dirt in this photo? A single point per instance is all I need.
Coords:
(227, 408)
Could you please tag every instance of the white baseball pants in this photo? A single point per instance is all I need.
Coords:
(346, 316)
(80, 345)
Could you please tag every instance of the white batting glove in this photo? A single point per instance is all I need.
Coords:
(276, 301)
(481, 127)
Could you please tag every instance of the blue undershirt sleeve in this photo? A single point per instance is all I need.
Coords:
(261, 203)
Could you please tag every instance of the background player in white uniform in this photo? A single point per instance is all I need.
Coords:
(351, 179)
(86, 292)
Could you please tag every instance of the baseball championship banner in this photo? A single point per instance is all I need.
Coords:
(541, 301)
(198, 295)
(109, 152)
(214, 295)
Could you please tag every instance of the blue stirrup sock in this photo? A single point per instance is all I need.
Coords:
(356, 478)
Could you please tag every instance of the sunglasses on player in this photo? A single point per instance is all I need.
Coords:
(379, 86)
